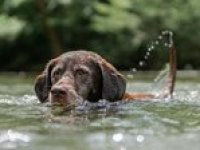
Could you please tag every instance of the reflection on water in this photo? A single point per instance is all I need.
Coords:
(160, 124)
(12, 139)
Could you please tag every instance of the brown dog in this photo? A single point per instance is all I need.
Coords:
(83, 75)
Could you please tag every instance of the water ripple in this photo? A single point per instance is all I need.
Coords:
(18, 100)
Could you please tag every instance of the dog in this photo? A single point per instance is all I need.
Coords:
(83, 75)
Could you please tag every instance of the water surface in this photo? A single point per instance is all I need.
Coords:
(26, 124)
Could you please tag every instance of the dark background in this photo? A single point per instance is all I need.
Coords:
(34, 31)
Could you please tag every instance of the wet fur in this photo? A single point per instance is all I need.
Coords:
(111, 84)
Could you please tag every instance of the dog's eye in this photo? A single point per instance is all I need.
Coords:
(81, 72)
(57, 72)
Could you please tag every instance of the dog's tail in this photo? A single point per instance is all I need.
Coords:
(170, 85)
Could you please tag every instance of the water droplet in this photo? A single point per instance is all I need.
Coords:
(141, 63)
(170, 33)
(140, 138)
(152, 47)
(146, 57)
(134, 70)
(156, 42)
(164, 32)
(118, 137)
(147, 53)
(160, 37)
(149, 49)
(166, 44)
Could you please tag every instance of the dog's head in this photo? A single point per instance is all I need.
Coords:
(79, 75)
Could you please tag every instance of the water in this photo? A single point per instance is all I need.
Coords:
(164, 40)
(26, 124)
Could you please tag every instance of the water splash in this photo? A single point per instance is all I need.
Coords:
(165, 39)
(162, 74)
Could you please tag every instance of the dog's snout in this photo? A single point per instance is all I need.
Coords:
(58, 91)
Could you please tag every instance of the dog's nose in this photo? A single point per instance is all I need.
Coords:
(58, 91)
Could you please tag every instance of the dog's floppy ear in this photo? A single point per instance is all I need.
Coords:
(43, 82)
(41, 89)
(113, 83)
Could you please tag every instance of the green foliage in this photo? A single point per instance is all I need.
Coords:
(10, 27)
(34, 31)
(114, 17)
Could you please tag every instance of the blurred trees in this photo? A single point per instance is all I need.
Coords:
(33, 31)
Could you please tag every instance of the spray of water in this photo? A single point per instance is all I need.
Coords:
(165, 39)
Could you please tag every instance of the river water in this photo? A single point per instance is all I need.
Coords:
(25, 124)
